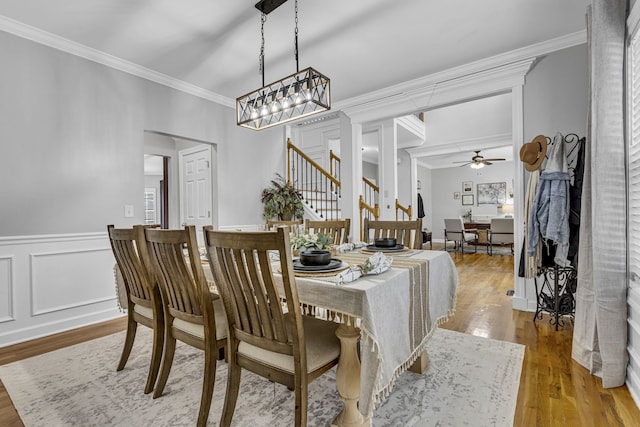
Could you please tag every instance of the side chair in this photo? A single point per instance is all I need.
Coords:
(407, 233)
(281, 345)
(501, 233)
(338, 229)
(193, 314)
(454, 231)
(144, 303)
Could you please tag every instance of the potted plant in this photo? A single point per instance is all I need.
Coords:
(281, 201)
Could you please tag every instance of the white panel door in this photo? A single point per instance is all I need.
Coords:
(195, 188)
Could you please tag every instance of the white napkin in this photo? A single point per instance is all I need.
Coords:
(348, 247)
(375, 264)
(344, 248)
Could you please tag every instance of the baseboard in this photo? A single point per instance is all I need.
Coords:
(42, 330)
(522, 304)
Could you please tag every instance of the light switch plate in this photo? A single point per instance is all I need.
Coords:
(128, 211)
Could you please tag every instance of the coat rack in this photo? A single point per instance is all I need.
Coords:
(555, 295)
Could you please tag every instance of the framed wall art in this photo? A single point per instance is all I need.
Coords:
(492, 193)
(456, 195)
(467, 187)
(467, 199)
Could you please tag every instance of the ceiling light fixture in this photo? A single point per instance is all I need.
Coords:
(298, 95)
(477, 165)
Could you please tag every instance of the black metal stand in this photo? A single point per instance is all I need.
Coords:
(555, 296)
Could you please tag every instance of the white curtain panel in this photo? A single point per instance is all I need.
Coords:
(600, 332)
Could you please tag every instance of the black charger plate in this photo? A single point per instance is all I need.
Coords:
(396, 248)
(334, 264)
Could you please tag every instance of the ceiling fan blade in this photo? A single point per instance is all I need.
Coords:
(464, 161)
(493, 160)
(467, 163)
(487, 163)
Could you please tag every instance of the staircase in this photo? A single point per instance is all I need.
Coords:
(320, 191)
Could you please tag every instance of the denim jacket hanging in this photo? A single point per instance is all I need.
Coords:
(550, 209)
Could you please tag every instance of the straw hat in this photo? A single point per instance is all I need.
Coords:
(532, 153)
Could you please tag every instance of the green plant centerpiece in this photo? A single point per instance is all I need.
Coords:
(305, 241)
(281, 201)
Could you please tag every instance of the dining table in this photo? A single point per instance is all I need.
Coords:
(385, 319)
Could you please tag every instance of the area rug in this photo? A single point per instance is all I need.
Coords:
(471, 381)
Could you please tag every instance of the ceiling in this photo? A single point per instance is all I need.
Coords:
(361, 45)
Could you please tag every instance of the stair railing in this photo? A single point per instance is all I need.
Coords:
(403, 213)
(317, 188)
(367, 211)
(334, 165)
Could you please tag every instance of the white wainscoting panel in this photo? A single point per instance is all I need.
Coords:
(62, 280)
(54, 283)
(6, 288)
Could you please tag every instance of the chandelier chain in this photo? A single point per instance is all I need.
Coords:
(295, 48)
(263, 19)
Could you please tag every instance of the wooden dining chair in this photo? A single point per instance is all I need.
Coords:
(338, 229)
(273, 223)
(406, 233)
(281, 345)
(193, 314)
(144, 304)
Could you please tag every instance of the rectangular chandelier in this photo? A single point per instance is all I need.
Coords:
(299, 95)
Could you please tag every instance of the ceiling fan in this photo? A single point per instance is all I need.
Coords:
(478, 161)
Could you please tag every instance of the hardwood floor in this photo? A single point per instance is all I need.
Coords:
(554, 390)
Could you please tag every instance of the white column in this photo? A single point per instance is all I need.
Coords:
(388, 169)
(351, 172)
(524, 297)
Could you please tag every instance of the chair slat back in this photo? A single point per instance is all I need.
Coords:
(244, 273)
(271, 224)
(180, 275)
(337, 229)
(135, 275)
(406, 233)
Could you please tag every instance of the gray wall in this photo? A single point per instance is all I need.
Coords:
(73, 141)
(556, 94)
(447, 181)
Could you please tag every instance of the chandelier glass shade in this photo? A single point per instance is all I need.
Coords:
(299, 95)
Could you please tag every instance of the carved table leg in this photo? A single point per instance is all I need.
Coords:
(348, 378)
(421, 364)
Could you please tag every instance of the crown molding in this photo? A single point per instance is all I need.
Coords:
(368, 101)
(427, 85)
(434, 94)
(65, 45)
(412, 124)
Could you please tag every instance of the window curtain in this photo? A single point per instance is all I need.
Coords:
(600, 331)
